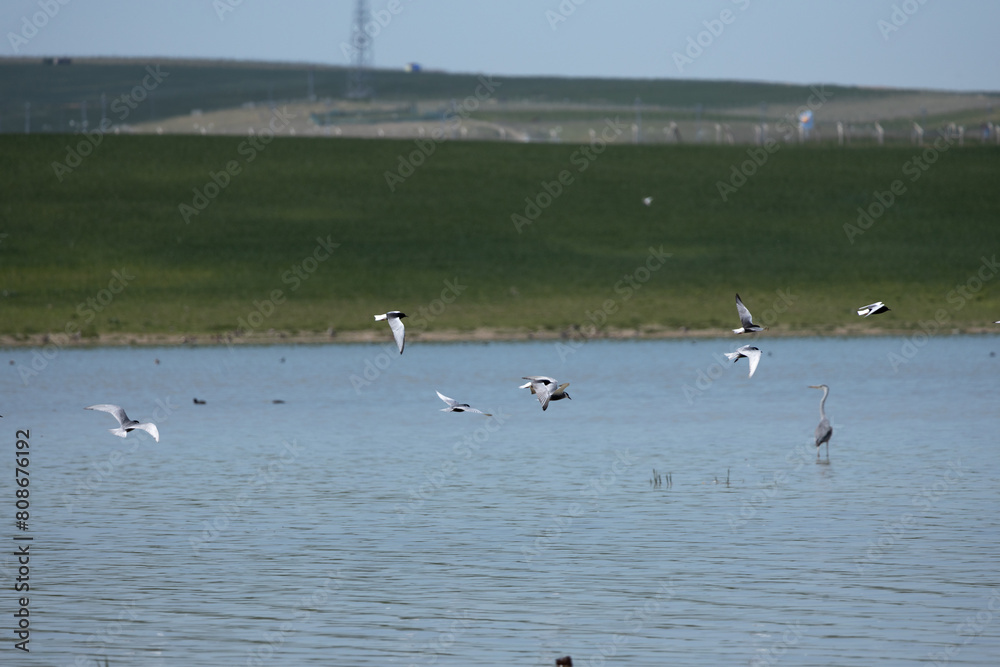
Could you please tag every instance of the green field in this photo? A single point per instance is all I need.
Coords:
(782, 232)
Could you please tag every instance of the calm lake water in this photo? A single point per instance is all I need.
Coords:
(356, 524)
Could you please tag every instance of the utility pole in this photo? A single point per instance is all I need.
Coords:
(359, 84)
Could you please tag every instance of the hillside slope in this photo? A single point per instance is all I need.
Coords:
(540, 237)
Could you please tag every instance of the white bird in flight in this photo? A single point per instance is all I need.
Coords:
(455, 406)
(125, 425)
(545, 389)
(873, 309)
(745, 319)
(398, 330)
(751, 353)
(647, 201)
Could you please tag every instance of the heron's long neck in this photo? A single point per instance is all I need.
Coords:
(822, 403)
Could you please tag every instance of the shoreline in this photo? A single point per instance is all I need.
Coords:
(481, 335)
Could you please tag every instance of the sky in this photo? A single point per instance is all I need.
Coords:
(926, 44)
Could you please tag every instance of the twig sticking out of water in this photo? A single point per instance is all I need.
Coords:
(659, 480)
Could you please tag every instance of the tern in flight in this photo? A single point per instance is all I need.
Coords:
(545, 389)
(398, 330)
(745, 319)
(455, 406)
(751, 353)
(873, 309)
(823, 430)
(125, 425)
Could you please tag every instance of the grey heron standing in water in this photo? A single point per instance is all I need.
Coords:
(823, 430)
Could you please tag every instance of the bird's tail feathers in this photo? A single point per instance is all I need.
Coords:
(379, 318)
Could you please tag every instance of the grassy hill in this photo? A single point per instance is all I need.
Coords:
(108, 249)
(61, 95)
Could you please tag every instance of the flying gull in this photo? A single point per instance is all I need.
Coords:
(398, 330)
(545, 389)
(873, 309)
(125, 425)
(751, 353)
(455, 406)
(745, 319)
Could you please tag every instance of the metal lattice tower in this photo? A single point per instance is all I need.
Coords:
(359, 80)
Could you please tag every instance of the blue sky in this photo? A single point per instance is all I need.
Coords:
(895, 43)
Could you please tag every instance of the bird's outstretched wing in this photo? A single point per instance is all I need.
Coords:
(150, 429)
(873, 309)
(746, 319)
(115, 411)
(451, 402)
(540, 379)
(455, 406)
(753, 356)
(542, 387)
(398, 332)
(543, 397)
(532, 379)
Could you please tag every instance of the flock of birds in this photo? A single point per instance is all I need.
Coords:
(544, 388)
(823, 430)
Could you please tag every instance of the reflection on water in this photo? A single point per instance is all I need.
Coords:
(356, 523)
